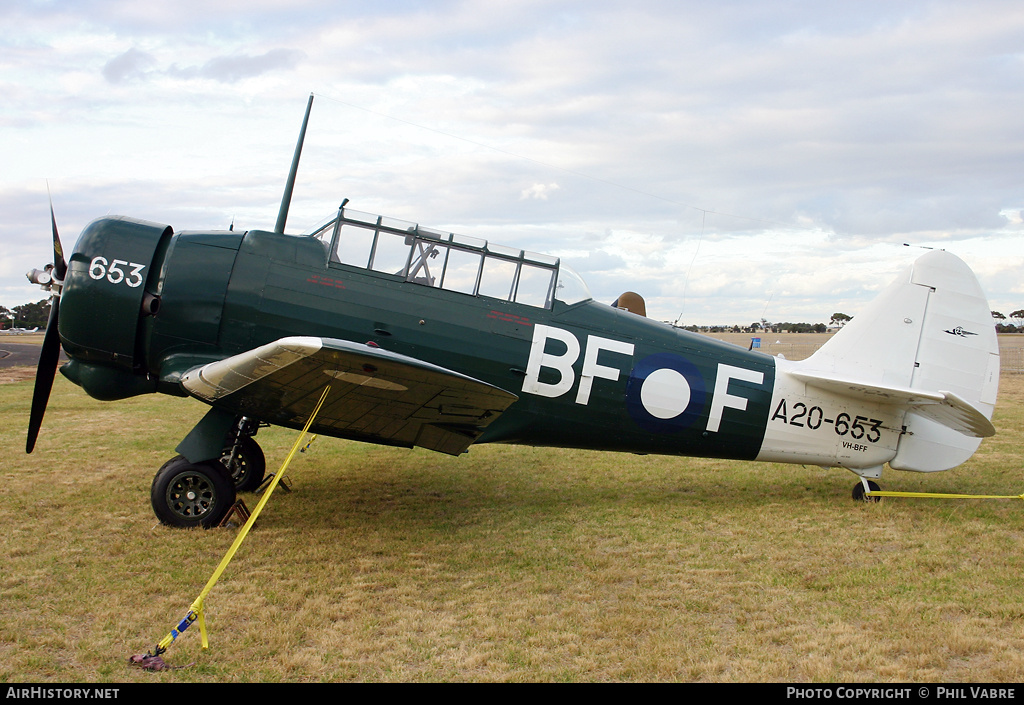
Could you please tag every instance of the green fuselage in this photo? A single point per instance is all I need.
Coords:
(627, 383)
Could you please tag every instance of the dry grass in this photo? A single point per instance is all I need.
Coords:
(507, 564)
(24, 338)
(16, 374)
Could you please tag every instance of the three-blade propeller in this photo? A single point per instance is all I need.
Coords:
(46, 370)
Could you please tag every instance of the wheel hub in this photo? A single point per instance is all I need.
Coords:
(190, 495)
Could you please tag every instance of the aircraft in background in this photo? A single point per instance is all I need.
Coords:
(441, 341)
(19, 331)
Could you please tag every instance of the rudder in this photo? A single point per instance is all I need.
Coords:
(959, 353)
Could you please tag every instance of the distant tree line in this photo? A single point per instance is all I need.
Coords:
(1014, 323)
(25, 316)
(761, 327)
(1016, 327)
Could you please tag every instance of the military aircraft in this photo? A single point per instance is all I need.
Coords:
(438, 340)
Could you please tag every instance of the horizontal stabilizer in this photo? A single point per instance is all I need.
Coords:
(943, 407)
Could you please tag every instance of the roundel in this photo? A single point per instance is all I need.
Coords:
(665, 393)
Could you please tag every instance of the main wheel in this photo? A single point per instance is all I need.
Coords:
(188, 494)
(860, 496)
(248, 467)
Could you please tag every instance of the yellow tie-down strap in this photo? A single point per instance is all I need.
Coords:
(195, 612)
(939, 495)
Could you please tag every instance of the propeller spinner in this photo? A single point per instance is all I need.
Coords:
(50, 278)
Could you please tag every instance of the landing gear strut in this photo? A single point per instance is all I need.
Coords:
(243, 456)
(859, 493)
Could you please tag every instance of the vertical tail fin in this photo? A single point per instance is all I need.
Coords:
(931, 330)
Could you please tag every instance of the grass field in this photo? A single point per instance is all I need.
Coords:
(506, 564)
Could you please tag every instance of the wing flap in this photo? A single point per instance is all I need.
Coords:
(376, 395)
(943, 407)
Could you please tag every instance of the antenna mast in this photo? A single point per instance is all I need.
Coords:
(286, 199)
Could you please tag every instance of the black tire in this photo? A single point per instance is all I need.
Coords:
(249, 466)
(187, 495)
(860, 496)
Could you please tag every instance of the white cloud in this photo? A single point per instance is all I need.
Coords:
(538, 191)
(131, 64)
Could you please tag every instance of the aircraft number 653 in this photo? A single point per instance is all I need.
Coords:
(98, 269)
(857, 427)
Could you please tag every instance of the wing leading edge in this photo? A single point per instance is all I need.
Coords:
(376, 395)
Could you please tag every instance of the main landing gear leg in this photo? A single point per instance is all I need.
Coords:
(218, 458)
(243, 457)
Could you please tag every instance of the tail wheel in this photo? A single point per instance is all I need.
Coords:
(859, 494)
(188, 494)
(245, 463)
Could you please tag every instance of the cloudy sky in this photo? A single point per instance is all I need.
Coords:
(729, 161)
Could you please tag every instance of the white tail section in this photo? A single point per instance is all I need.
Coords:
(927, 343)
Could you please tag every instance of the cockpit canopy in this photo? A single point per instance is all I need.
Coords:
(448, 261)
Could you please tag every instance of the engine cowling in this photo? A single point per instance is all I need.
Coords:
(111, 284)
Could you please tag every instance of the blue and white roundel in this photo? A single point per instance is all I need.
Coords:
(665, 393)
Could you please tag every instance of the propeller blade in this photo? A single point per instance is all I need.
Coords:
(60, 267)
(46, 370)
(49, 354)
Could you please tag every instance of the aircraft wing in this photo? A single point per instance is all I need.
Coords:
(376, 395)
(945, 408)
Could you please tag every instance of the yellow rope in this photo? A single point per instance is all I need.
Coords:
(938, 495)
(195, 612)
